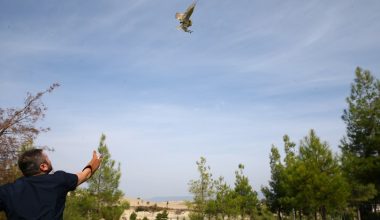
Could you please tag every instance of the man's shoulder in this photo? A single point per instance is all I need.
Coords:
(10, 188)
(70, 180)
(61, 174)
(7, 185)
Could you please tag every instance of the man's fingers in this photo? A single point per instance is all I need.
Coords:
(95, 155)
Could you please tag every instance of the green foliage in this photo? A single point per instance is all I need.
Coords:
(264, 213)
(225, 199)
(114, 212)
(283, 186)
(276, 191)
(202, 189)
(309, 181)
(133, 216)
(104, 184)
(313, 181)
(102, 198)
(363, 116)
(361, 146)
(79, 205)
(162, 216)
(245, 196)
(325, 187)
(214, 199)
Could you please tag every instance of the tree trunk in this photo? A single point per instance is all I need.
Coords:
(323, 212)
(358, 213)
(300, 214)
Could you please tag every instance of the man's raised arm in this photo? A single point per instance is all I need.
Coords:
(90, 169)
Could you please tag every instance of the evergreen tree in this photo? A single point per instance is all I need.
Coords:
(225, 205)
(202, 189)
(246, 197)
(361, 146)
(79, 205)
(309, 182)
(290, 183)
(103, 185)
(326, 189)
(363, 117)
(275, 193)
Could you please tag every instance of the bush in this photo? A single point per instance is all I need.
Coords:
(162, 216)
(133, 216)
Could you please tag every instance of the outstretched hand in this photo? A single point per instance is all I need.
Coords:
(95, 161)
(90, 169)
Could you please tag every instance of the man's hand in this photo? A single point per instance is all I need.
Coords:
(90, 169)
(95, 162)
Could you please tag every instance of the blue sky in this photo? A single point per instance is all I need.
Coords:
(250, 72)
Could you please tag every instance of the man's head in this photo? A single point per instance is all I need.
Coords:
(34, 162)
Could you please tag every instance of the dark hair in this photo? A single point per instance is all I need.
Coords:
(30, 161)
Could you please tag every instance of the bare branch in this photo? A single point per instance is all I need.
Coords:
(17, 126)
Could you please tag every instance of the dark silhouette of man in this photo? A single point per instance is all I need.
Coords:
(38, 194)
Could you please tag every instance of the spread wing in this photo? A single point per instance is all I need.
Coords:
(189, 11)
(186, 15)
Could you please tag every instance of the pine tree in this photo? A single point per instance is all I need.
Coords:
(309, 182)
(224, 200)
(246, 197)
(275, 193)
(290, 182)
(326, 189)
(363, 117)
(361, 146)
(202, 189)
(79, 205)
(104, 184)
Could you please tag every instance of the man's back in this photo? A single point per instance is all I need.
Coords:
(37, 197)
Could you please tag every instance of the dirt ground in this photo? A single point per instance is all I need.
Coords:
(177, 210)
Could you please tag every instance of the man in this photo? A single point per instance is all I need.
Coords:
(38, 194)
